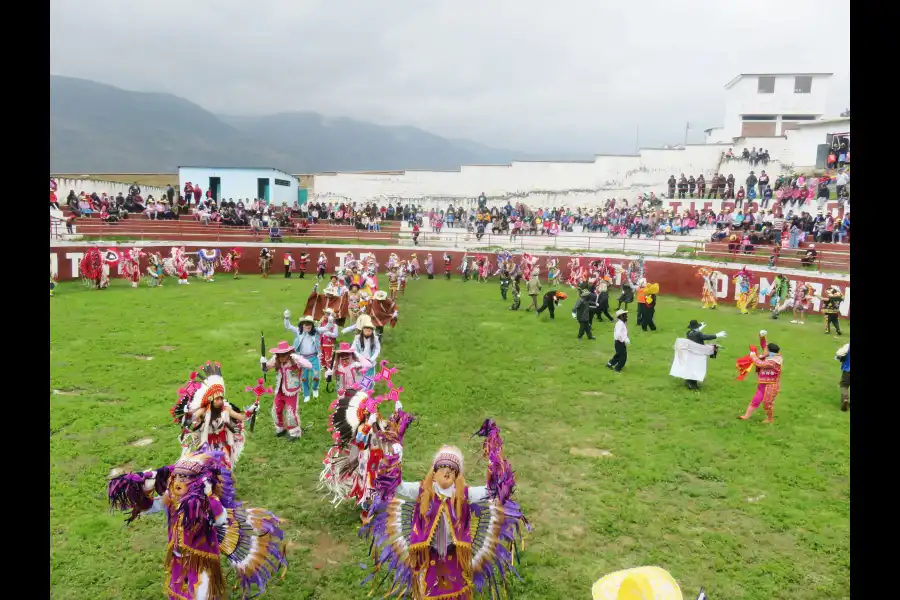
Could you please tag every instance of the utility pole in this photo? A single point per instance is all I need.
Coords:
(637, 137)
(687, 128)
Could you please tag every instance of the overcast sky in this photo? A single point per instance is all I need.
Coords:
(536, 76)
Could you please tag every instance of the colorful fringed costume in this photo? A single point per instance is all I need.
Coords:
(95, 267)
(231, 261)
(553, 272)
(131, 265)
(206, 417)
(321, 265)
(439, 538)
(206, 522)
(528, 265)
(577, 273)
(710, 283)
(747, 292)
(447, 267)
(383, 311)
(362, 437)
(289, 369)
(156, 270)
(207, 260)
(265, 262)
(179, 265)
(768, 363)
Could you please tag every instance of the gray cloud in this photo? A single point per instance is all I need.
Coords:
(574, 75)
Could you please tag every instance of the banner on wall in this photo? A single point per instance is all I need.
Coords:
(674, 278)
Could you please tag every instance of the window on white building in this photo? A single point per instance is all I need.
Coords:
(798, 117)
(765, 85)
(802, 84)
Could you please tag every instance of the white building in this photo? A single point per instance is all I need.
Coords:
(769, 104)
(808, 144)
(237, 183)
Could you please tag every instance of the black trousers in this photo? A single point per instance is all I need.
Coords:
(831, 319)
(503, 290)
(603, 310)
(647, 320)
(548, 305)
(584, 327)
(620, 357)
(287, 271)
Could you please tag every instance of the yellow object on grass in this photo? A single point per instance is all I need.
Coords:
(640, 583)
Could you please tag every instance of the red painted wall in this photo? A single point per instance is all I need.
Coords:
(677, 279)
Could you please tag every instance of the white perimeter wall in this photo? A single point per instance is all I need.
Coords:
(112, 188)
(803, 142)
(545, 184)
(241, 184)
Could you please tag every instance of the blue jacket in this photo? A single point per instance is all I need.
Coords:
(845, 364)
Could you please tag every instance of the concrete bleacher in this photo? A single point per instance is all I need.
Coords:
(830, 257)
(139, 227)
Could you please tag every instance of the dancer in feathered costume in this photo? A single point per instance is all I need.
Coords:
(207, 260)
(393, 276)
(288, 383)
(232, 261)
(308, 346)
(554, 273)
(363, 434)
(635, 272)
(441, 539)
(803, 293)
(483, 266)
(265, 262)
(178, 265)
(710, 280)
(743, 282)
(131, 265)
(780, 295)
(95, 267)
(768, 363)
(393, 261)
(576, 272)
(528, 264)
(206, 417)
(206, 522)
(447, 268)
(156, 270)
(831, 307)
(321, 265)
(503, 258)
(429, 266)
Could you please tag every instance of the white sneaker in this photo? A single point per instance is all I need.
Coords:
(800, 322)
(306, 399)
(315, 393)
(794, 321)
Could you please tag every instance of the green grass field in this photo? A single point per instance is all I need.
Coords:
(614, 471)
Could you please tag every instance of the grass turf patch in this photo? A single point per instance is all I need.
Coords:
(614, 471)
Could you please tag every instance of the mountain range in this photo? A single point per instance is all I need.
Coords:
(98, 128)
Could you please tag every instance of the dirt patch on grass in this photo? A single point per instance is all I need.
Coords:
(113, 402)
(121, 469)
(137, 356)
(260, 460)
(592, 393)
(590, 452)
(68, 392)
(329, 552)
(141, 442)
(168, 348)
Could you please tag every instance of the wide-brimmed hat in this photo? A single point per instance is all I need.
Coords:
(306, 319)
(637, 584)
(693, 324)
(328, 310)
(364, 321)
(621, 312)
(344, 348)
(380, 295)
(282, 348)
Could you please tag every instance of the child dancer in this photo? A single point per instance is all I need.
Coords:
(429, 266)
(302, 263)
(288, 265)
(414, 266)
(393, 282)
(802, 294)
(307, 345)
(321, 265)
(366, 345)
(289, 367)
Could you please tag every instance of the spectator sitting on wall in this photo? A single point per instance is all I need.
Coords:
(274, 232)
(134, 189)
(72, 200)
(84, 205)
(810, 258)
(729, 156)
(843, 228)
(745, 154)
(302, 226)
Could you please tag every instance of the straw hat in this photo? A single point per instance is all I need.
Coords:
(306, 319)
(364, 321)
(621, 312)
(641, 583)
(380, 295)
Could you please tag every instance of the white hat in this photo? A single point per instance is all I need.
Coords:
(448, 456)
(621, 312)
(380, 295)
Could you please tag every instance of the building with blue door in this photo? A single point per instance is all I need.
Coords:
(236, 183)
